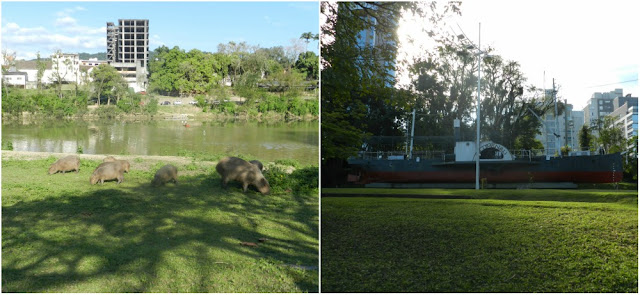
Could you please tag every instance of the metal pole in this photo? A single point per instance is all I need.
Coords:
(413, 130)
(478, 117)
(557, 131)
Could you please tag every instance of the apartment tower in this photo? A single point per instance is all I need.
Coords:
(128, 50)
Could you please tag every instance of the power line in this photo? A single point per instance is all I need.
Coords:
(633, 80)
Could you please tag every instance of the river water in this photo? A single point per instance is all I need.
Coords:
(264, 141)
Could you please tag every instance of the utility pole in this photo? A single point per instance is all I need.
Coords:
(413, 130)
(478, 116)
(557, 131)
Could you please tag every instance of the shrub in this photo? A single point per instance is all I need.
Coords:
(106, 112)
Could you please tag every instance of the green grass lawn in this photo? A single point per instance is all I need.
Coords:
(60, 234)
(498, 241)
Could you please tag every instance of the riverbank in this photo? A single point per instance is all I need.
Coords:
(132, 237)
(140, 162)
(169, 112)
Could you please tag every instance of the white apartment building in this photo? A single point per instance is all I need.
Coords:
(626, 116)
(569, 124)
(600, 104)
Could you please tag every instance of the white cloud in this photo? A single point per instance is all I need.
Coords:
(65, 34)
(66, 21)
(13, 28)
(68, 11)
(155, 41)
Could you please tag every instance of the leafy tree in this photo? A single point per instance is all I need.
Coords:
(610, 135)
(584, 137)
(107, 82)
(308, 63)
(307, 37)
(505, 109)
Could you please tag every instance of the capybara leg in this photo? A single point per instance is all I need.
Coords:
(244, 187)
(224, 183)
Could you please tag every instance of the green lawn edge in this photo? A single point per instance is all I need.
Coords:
(606, 196)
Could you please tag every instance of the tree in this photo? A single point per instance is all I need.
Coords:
(60, 70)
(41, 66)
(584, 137)
(107, 82)
(358, 98)
(610, 135)
(307, 37)
(8, 62)
(308, 63)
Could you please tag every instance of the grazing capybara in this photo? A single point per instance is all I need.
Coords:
(165, 174)
(257, 163)
(124, 163)
(109, 159)
(107, 171)
(65, 164)
(232, 168)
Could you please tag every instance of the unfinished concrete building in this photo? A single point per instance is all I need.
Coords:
(128, 50)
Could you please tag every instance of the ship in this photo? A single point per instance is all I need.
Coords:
(497, 165)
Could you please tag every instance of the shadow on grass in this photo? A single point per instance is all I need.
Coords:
(135, 230)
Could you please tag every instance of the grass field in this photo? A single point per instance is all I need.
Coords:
(60, 234)
(497, 241)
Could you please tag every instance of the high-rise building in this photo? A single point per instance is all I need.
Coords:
(626, 115)
(128, 50)
(600, 104)
(371, 37)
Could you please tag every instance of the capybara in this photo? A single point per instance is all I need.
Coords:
(107, 171)
(165, 174)
(257, 163)
(65, 164)
(124, 163)
(109, 159)
(232, 168)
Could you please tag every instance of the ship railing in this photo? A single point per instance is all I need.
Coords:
(400, 155)
(527, 154)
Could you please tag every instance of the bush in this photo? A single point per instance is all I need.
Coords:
(200, 101)
(107, 112)
(151, 107)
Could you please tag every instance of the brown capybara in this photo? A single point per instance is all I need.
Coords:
(165, 174)
(107, 171)
(65, 164)
(109, 159)
(124, 163)
(232, 168)
(257, 163)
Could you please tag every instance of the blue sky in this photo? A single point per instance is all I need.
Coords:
(29, 27)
